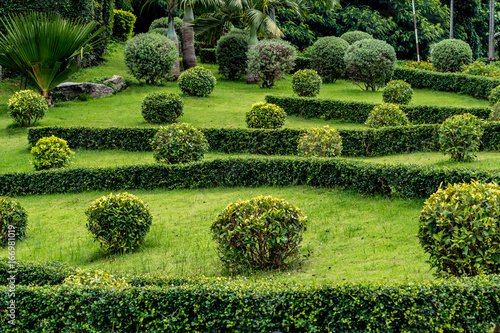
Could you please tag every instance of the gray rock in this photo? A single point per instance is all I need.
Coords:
(117, 82)
(72, 90)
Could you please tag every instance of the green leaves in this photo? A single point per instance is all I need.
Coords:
(397, 92)
(265, 115)
(306, 83)
(13, 220)
(51, 152)
(197, 81)
(27, 107)
(161, 107)
(460, 136)
(385, 115)
(320, 142)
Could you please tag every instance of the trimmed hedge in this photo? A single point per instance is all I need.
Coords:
(208, 56)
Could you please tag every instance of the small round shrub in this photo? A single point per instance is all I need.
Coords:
(370, 63)
(460, 229)
(450, 54)
(495, 112)
(231, 55)
(321, 142)
(161, 107)
(123, 24)
(197, 81)
(27, 107)
(179, 143)
(327, 58)
(460, 136)
(95, 279)
(150, 57)
(119, 222)
(276, 225)
(397, 92)
(352, 37)
(51, 152)
(13, 221)
(265, 115)
(385, 115)
(306, 83)
(494, 96)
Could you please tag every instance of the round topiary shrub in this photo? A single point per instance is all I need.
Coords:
(494, 96)
(197, 81)
(123, 24)
(327, 58)
(450, 54)
(385, 115)
(13, 221)
(179, 143)
(160, 107)
(352, 37)
(231, 54)
(306, 83)
(460, 136)
(119, 222)
(495, 112)
(51, 152)
(265, 115)
(27, 107)
(276, 225)
(321, 142)
(370, 63)
(397, 92)
(460, 229)
(150, 57)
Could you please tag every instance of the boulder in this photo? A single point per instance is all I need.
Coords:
(117, 81)
(72, 90)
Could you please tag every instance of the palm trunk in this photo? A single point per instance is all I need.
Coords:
(188, 52)
(176, 71)
(251, 77)
(451, 19)
(1, 72)
(48, 98)
(491, 46)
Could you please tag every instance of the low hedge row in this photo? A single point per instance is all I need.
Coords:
(357, 112)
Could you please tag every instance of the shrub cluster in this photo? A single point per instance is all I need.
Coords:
(460, 136)
(13, 222)
(385, 115)
(306, 83)
(327, 58)
(321, 142)
(161, 107)
(495, 112)
(397, 92)
(197, 81)
(450, 54)
(123, 24)
(51, 152)
(494, 96)
(265, 115)
(232, 55)
(352, 37)
(27, 107)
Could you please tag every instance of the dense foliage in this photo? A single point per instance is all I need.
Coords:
(13, 223)
(353, 36)
(27, 107)
(123, 25)
(495, 112)
(161, 107)
(385, 115)
(460, 136)
(197, 81)
(51, 152)
(494, 96)
(327, 58)
(265, 115)
(232, 55)
(450, 54)
(306, 83)
(320, 142)
(398, 92)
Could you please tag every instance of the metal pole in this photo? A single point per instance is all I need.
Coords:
(416, 33)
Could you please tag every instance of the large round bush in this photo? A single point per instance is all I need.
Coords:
(27, 107)
(460, 136)
(265, 115)
(231, 54)
(494, 96)
(197, 81)
(150, 57)
(179, 143)
(119, 222)
(51, 152)
(13, 221)
(385, 115)
(370, 63)
(327, 58)
(450, 54)
(274, 224)
(460, 229)
(161, 107)
(321, 142)
(352, 37)
(306, 83)
(397, 92)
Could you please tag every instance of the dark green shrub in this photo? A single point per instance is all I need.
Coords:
(197, 81)
(51, 152)
(161, 107)
(397, 92)
(274, 224)
(13, 222)
(327, 58)
(352, 37)
(123, 24)
(450, 54)
(495, 112)
(265, 115)
(321, 142)
(460, 229)
(27, 107)
(385, 115)
(460, 136)
(306, 83)
(232, 55)
(208, 55)
(370, 63)
(119, 222)
(179, 143)
(494, 96)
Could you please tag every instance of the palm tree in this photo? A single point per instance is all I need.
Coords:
(44, 47)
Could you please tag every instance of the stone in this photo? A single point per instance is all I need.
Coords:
(72, 90)
(117, 81)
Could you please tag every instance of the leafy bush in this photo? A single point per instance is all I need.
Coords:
(352, 37)
(495, 112)
(161, 31)
(397, 92)
(123, 24)
(13, 221)
(101, 279)
(232, 55)
(370, 62)
(27, 107)
(274, 224)
(51, 152)
(179, 143)
(306, 82)
(386, 114)
(150, 57)
(162, 23)
(322, 142)
(271, 59)
(265, 115)
(119, 222)
(197, 81)
(208, 55)
(460, 229)
(460, 136)
(327, 58)
(161, 107)
(494, 96)
(450, 54)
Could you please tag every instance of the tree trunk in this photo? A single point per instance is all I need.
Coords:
(48, 98)
(491, 46)
(451, 19)
(176, 71)
(251, 77)
(188, 52)
(497, 328)
(1, 72)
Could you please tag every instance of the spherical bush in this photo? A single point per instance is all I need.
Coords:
(494, 96)
(231, 54)
(150, 57)
(352, 37)
(306, 83)
(179, 143)
(27, 107)
(327, 58)
(495, 112)
(397, 92)
(197, 81)
(450, 54)
(321, 142)
(265, 115)
(51, 152)
(13, 221)
(160, 107)
(460, 136)
(385, 115)
(276, 225)
(460, 229)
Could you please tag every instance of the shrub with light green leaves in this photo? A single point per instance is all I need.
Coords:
(197, 81)
(495, 112)
(352, 37)
(460, 136)
(51, 152)
(101, 279)
(321, 142)
(161, 107)
(494, 96)
(274, 224)
(119, 222)
(27, 107)
(327, 58)
(385, 115)
(306, 83)
(265, 115)
(450, 54)
(123, 24)
(397, 92)
(13, 221)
